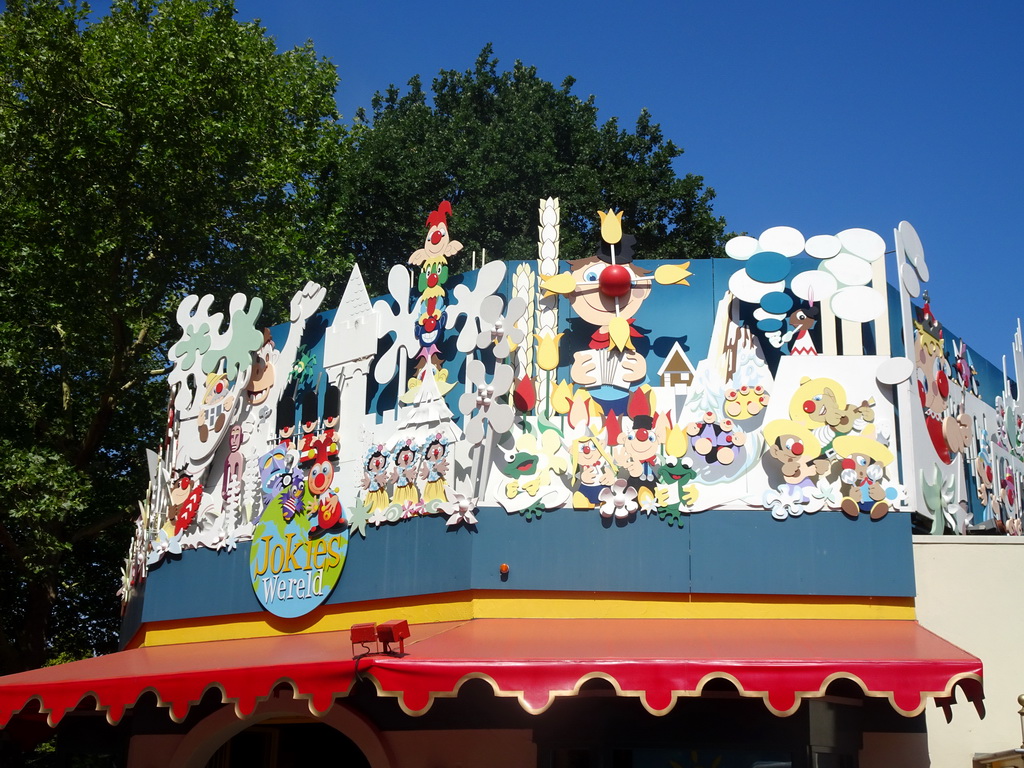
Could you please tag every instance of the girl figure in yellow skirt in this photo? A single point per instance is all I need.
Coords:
(405, 456)
(375, 479)
(434, 468)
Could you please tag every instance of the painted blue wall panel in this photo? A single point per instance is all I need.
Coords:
(717, 552)
(746, 552)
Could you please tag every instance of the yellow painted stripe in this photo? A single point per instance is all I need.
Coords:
(494, 604)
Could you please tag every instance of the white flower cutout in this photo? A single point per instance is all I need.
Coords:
(480, 404)
(618, 500)
(399, 320)
(163, 545)
(498, 331)
(459, 510)
(469, 302)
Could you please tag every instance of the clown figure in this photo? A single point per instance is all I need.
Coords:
(799, 455)
(593, 470)
(949, 434)
(326, 510)
(863, 462)
(821, 406)
(638, 454)
(609, 293)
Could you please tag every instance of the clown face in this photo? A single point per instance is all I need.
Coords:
(791, 452)
(435, 451)
(639, 443)
(606, 290)
(405, 458)
(320, 477)
(436, 243)
(824, 408)
(376, 463)
(933, 381)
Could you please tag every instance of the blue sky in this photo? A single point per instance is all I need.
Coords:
(821, 116)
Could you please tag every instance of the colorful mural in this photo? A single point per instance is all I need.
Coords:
(603, 386)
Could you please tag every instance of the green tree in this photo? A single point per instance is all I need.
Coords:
(495, 142)
(161, 149)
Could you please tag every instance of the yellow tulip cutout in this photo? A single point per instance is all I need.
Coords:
(611, 226)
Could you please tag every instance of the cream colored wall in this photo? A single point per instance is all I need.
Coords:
(968, 592)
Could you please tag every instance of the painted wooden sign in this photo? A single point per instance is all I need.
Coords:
(780, 380)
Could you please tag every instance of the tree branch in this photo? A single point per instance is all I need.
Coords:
(11, 545)
(94, 530)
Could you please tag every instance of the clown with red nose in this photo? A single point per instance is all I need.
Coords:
(432, 259)
(606, 290)
(949, 434)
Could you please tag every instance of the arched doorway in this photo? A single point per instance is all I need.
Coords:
(287, 744)
(279, 727)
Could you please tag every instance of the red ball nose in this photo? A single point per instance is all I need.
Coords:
(435, 237)
(943, 384)
(616, 280)
(642, 435)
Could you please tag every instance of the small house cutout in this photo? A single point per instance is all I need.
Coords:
(677, 370)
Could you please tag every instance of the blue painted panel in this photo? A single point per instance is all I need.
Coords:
(200, 582)
(721, 551)
(579, 550)
(747, 552)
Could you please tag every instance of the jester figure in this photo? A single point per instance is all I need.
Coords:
(432, 259)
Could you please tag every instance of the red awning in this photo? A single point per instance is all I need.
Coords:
(533, 660)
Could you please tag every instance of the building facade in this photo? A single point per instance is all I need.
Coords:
(585, 511)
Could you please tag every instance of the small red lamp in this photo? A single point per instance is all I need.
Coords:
(394, 631)
(363, 634)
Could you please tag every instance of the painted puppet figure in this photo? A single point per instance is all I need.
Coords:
(434, 468)
(592, 470)
(375, 479)
(608, 295)
(638, 455)
(325, 506)
(949, 435)
(798, 453)
(820, 405)
(405, 457)
(798, 339)
(432, 259)
(863, 462)
(278, 478)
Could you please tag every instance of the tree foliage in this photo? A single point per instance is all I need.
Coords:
(167, 148)
(162, 149)
(494, 142)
